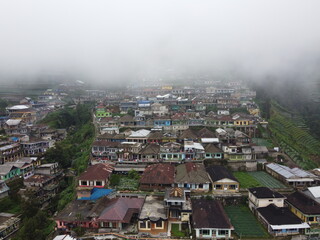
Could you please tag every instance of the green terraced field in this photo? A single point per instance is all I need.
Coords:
(267, 180)
(257, 179)
(294, 137)
(244, 222)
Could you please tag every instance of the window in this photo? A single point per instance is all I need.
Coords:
(223, 232)
(270, 200)
(159, 224)
(218, 186)
(98, 183)
(84, 183)
(205, 232)
(142, 224)
(311, 219)
(232, 187)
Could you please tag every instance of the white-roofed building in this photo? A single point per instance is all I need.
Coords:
(15, 126)
(209, 140)
(17, 108)
(313, 192)
(294, 177)
(140, 136)
(193, 150)
(64, 237)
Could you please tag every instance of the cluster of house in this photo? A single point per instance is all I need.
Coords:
(99, 209)
(284, 215)
(150, 146)
(27, 138)
(104, 210)
(176, 109)
(25, 141)
(19, 123)
(174, 121)
(40, 181)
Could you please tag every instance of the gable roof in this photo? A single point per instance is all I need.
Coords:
(126, 118)
(105, 136)
(99, 171)
(209, 214)
(162, 173)
(264, 192)
(140, 133)
(121, 209)
(188, 134)
(155, 135)
(150, 149)
(211, 148)
(217, 173)
(314, 191)
(191, 173)
(6, 168)
(304, 203)
(206, 133)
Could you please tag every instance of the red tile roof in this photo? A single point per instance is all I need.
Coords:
(162, 173)
(99, 171)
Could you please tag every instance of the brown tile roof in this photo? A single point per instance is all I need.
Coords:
(206, 133)
(191, 173)
(150, 149)
(105, 136)
(188, 134)
(209, 214)
(121, 209)
(126, 118)
(103, 143)
(162, 173)
(304, 203)
(99, 171)
(155, 135)
(211, 148)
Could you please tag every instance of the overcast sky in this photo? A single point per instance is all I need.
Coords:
(116, 40)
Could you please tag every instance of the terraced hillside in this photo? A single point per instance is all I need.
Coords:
(294, 138)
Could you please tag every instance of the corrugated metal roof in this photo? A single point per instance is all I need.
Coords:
(287, 172)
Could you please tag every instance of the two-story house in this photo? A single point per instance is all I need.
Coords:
(263, 196)
(95, 176)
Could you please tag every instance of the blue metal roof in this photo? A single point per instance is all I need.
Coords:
(97, 193)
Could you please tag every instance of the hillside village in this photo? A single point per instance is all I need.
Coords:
(166, 162)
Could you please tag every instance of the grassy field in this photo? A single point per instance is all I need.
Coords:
(246, 180)
(244, 222)
(267, 180)
(257, 179)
